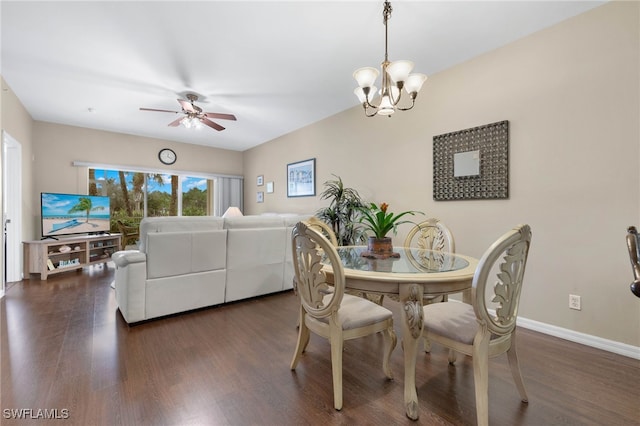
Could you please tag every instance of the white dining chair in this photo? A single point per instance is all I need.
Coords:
(431, 234)
(435, 238)
(323, 228)
(475, 329)
(327, 311)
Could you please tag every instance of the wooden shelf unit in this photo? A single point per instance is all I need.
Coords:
(41, 255)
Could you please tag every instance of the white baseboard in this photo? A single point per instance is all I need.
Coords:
(582, 338)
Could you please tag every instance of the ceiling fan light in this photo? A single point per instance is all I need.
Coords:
(194, 116)
(366, 76)
(186, 122)
(414, 82)
(399, 70)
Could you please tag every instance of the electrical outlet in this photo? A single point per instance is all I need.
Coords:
(574, 302)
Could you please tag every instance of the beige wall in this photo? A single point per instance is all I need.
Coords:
(17, 122)
(56, 147)
(571, 95)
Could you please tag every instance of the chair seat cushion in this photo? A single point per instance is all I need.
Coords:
(358, 312)
(453, 320)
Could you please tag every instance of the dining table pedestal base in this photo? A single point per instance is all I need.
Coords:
(412, 324)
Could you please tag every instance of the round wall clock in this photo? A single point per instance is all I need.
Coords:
(167, 156)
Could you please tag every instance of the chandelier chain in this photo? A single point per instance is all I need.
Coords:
(386, 15)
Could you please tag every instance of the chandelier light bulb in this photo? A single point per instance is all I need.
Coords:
(360, 94)
(414, 83)
(386, 107)
(366, 77)
(363, 97)
(393, 91)
(399, 70)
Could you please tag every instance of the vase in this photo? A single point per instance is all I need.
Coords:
(380, 248)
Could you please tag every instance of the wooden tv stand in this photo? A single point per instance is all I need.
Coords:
(45, 258)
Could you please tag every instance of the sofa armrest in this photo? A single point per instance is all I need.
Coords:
(126, 257)
(130, 280)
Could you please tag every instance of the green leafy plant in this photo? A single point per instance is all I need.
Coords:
(342, 213)
(380, 222)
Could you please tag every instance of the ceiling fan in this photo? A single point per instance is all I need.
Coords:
(194, 114)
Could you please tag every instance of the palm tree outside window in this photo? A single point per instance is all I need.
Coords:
(135, 195)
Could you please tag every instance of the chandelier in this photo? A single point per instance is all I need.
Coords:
(395, 77)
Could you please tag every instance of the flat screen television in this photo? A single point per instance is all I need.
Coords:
(66, 214)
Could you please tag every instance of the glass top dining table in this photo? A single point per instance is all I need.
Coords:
(436, 272)
(411, 260)
(415, 273)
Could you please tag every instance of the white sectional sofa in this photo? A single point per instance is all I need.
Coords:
(186, 263)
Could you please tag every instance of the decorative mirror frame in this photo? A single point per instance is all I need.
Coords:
(492, 143)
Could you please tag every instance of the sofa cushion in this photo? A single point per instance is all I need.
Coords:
(255, 258)
(177, 224)
(179, 253)
(252, 247)
(164, 296)
(253, 222)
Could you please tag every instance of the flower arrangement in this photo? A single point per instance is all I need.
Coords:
(380, 221)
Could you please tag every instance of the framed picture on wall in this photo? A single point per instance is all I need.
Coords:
(260, 180)
(270, 187)
(301, 178)
(260, 197)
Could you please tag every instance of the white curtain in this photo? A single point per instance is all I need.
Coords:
(227, 192)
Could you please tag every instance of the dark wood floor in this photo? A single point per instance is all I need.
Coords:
(65, 347)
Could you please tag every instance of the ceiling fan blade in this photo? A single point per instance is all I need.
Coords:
(211, 124)
(159, 110)
(186, 105)
(220, 116)
(176, 122)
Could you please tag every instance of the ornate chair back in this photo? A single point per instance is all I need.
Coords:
(512, 250)
(323, 228)
(431, 234)
(309, 246)
(435, 238)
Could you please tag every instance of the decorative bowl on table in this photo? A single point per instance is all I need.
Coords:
(64, 249)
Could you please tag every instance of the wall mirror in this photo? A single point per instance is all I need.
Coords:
(472, 164)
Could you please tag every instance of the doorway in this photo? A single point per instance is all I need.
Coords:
(11, 208)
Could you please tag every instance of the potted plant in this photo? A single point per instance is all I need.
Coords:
(342, 213)
(379, 221)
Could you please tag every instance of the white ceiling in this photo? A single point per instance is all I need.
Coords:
(278, 66)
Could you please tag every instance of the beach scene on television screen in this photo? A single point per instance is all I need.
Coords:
(74, 214)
